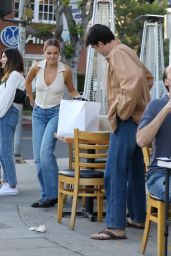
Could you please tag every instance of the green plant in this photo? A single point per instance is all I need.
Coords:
(79, 29)
(80, 4)
(43, 29)
(65, 2)
(68, 50)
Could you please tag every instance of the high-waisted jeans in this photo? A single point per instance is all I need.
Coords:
(44, 124)
(124, 177)
(7, 129)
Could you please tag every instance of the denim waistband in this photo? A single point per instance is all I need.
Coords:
(52, 108)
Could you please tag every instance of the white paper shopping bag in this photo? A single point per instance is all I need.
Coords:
(83, 115)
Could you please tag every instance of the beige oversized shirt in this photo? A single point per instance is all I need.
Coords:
(129, 84)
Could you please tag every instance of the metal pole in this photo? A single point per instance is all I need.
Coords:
(167, 29)
(21, 48)
(22, 29)
(170, 51)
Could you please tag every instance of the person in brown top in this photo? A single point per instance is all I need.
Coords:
(129, 83)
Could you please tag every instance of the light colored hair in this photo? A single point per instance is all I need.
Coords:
(51, 42)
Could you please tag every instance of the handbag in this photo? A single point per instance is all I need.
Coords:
(83, 115)
(20, 96)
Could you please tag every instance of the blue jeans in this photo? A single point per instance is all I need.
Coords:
(124, 177)
(7, 129)
(156, 183)
(44, 124)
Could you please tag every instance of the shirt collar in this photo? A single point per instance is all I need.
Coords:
(116, 43)
(61, 66)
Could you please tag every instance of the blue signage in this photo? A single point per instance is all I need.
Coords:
(75, 10)
(9, 36)
(78, 16)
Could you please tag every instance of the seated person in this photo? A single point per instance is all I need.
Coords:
(155, 127)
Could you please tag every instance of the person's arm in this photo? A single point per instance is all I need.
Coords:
(69, 84)
(29, 78)
(7, 92)
(131, 78)
(147, 134)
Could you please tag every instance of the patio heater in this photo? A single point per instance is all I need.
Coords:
(167, 30)
(152, 51)
(96, 66)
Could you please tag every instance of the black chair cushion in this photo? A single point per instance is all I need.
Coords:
(100, 160)
(83, 173)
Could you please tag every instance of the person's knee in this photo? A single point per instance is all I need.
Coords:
(4, 154)
(46, 155)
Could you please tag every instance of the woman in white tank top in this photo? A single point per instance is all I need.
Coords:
(51, 78)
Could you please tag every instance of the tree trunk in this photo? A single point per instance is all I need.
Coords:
(73, 62)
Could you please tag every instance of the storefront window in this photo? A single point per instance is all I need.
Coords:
(46, 10)
(29, 59)
(43, 11)
(16, 8)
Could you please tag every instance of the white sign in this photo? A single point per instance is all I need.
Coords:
(34, 40)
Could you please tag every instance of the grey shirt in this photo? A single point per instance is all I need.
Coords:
(162, 141)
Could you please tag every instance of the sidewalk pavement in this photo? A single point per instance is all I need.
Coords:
(16, 216)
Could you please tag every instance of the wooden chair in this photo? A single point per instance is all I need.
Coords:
(146, 154)
(87, 177)
(155, 213)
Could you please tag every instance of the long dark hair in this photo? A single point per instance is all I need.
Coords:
(14, 62)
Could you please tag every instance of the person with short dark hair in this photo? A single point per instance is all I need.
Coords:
(52, 77)
(12, 79)
(155, 128)
(129, 83)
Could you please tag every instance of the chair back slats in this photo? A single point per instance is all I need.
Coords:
(94, 146)
(92, 156)
(98, 166)
(90, 150)
(94, 137)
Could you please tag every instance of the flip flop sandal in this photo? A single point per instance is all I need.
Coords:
(110, 236)
(132, 225)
